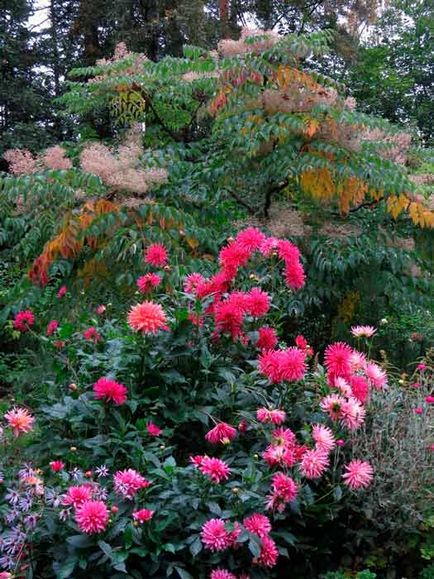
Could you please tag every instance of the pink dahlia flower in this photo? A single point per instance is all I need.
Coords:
(20, 420)
(359, 388)
(62, 291)
(215, 469)
(280, 365)
(52, 327)
(110, 391)
(363, 331)
(274, 416)
(376, 375)
(314, 463)
(222, 433)
(128, 482)
(250, 239)
(267, 339)
(257, 302)
(214, 535)
(294, 275)
(143, 515)
(283, 490)
(222, 574)
(332, 405)
(100, 309)
(429, 399)
(57, 465)
(358, 474)
(148, 282)
(92, 334)
(153, 429)
(24, 320)
(77, 495)
(269, 553)
(192, 281)
(147, 317)
(337, 359)
(323, 437)
(233, 256)
(156, 255)
(352, 413)
(92, 517)
(342, 385)
(357, 361)
(258, 524)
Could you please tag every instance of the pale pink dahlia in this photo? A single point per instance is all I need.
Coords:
(222, 574)
(24, 320)
(156, 255)
(148, 282)
(352, 413)
(314, 463)
(214, 535)
(128, 482)
(323, 437)
(258, 524)
(92, 517)
(358, 361)
(110, 391)
(147, 317)
(143, 515)
(363, 331)
(332, 405)
(20, 420)
(222, 433)
(358, 474)
(376, 375)
(215, 469)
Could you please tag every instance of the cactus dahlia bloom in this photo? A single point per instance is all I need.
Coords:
(24, 320)
(269, 553)
(214, 535)
(128, 482)
(274, 416)
(258, 524)
(338, 359)
(147, 317)
(323, 437)
(314, 463)
(284, 490)
(376, 375)
(358, 474)
(143, 515)
(20, 420)
(110, 391)
(156, 255)
(222, 574)
(215, 469)
(222, 433)
(146, 283)
(267, 339)
(77, 495)
(92, 517)
(363, 331)
(280, 365)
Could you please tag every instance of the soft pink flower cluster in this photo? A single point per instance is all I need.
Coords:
(214, 469)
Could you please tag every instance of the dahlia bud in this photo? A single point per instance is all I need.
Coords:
(73, 387)
(73, 448)
(114, 509)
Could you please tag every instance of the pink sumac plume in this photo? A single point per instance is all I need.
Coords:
(54, 158)
(21, 161)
